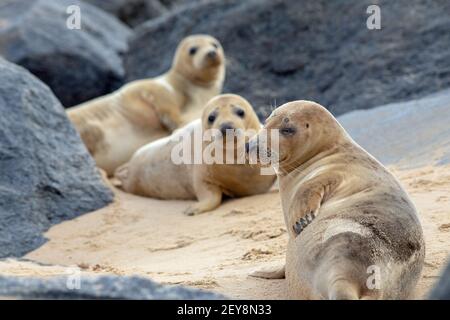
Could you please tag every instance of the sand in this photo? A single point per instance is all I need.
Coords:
(215, 250)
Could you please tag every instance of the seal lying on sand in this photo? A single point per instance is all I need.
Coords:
(113, 127)
(152, 172)
(353, 230)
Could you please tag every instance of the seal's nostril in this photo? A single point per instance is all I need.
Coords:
(225, 127)
(247, 147)
(212, 54)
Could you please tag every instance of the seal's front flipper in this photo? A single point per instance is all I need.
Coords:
(277, 272)
(343, 289)
(121, 175)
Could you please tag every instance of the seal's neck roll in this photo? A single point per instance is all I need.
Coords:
(183, 82)
(319, 148)
(293, 166)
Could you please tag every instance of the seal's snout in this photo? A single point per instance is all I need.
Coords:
(212, 55)
(226, 126)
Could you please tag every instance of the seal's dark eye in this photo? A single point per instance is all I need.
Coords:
(193, 51)
(240, 113)
(307, 125)
(211, 118)
(215, 45)
(288, 131)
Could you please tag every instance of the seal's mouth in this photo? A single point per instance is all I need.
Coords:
(228, 133)
(304, 222)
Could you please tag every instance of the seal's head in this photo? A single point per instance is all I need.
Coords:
(304, 129)
(230, 121)
(200, 59)
(229, 113)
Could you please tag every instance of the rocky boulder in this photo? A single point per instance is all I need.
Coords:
(102, 287)
(171, 4)
(46, 174)
(282, 50)
(401, 134)
(77, 65)
(132, 12)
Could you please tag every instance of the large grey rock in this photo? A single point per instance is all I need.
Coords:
(132, 12)
(441, 290)
(282, 50)
(77, 65)
(102, 287)
(408, 134)
(171, 4)
(46, 174)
